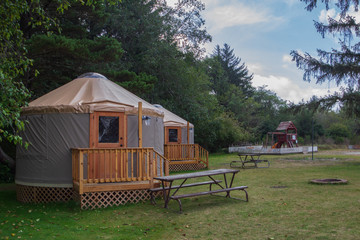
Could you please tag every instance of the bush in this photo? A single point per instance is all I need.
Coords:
(339, 140)
(338, 130)
(6, 175)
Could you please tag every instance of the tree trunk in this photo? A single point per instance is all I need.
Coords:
(5, 159)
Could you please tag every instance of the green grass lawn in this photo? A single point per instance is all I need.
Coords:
(282, 205)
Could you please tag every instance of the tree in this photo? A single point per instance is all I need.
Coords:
(339, 65)
(14, 61)
(237, 72)
(338, 132)
(58, 59)
(186, 26)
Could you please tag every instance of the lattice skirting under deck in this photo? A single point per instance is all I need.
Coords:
(33, 194)
(93, 200)
(186, 167)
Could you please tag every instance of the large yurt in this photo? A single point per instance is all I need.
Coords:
(90, 112)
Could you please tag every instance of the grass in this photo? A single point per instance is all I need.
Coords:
(283, 205)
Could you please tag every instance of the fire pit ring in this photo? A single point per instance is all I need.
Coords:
(329, 181)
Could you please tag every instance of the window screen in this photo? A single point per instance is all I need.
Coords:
(108, 129)
(173, 135)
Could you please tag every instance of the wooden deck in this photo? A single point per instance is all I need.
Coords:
(115, 169)
(186, 154)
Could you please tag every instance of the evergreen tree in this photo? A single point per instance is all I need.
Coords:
(341, 66)
(237, 72)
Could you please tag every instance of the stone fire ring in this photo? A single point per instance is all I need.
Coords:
(329, 181)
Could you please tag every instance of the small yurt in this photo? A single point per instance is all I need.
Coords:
(177, 129)
(180, 148)
(71, 126)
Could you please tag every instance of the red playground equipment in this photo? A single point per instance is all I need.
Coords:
(286, 138)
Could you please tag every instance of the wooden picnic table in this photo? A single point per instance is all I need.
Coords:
(249, 158)
(184, 177)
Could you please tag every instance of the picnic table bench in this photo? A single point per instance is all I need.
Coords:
(250, 158)
(184, 177)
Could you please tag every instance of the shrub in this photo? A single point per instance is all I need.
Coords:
(6, 175)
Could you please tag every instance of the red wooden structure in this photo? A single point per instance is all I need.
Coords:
(285, 136)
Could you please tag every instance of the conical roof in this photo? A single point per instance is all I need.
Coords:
(88, 93)
(171, 119)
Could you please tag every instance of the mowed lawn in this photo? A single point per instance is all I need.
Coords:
(282, 205)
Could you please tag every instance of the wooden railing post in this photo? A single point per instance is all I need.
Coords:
(188, 132)
(151, 169)
(73, 164)
(166, 166)
(81, 172)
(140, 123)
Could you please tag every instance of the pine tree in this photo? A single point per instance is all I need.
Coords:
(237, 72)
(342, 65)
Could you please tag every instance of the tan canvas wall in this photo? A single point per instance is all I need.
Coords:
(152, 134)
(47, 161)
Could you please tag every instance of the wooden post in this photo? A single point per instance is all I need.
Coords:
(81, 173)
(188, 133)
(151, 173)
(140, 123)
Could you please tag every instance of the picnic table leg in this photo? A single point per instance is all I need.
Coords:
(231, 183)
(214, 183)
(180, 206)
(166, 195)
(226, 185)
(179, 187)
(255, 161)
(242, 161)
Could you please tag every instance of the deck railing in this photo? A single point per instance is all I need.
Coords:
(116, 165)
(186, 153)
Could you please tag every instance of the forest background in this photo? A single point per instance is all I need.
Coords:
(155, 51)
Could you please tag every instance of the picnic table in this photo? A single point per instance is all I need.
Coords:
(168, 180)
(250, 158)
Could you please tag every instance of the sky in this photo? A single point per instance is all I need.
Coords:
(263, 33)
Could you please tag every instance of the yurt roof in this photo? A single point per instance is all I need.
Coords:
(88, 93)
(171, 119)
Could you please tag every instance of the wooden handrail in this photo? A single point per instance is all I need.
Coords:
(186, 152)
(115, 165)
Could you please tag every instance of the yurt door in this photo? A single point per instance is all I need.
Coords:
(107, 130)
(173, 135)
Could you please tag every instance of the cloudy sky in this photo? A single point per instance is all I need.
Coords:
(262, 33)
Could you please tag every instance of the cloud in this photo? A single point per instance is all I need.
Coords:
(325, 14)
(254, 67)
(354, 13)
(291, 2)
(289, 90)
(287, 58)
(220, 15)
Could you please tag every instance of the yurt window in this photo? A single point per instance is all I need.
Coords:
(173, 135)
(107, 129)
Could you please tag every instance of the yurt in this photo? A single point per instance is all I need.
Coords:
(180, 148)
(90, 138)
(177, 129)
